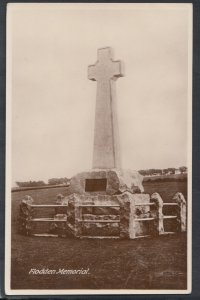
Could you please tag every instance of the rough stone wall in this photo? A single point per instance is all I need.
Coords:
(129, 215)
(77, 214)
(128, 227)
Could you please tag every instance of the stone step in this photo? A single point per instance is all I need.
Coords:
(99, 205)
(47, 220)
(99, 237)
(144, 219)
(169, 217)
(99, 221)
(174, 204)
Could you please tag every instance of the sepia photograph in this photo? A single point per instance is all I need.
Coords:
(98, 148)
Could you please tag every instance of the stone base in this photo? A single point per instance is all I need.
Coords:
(107, 182)
(122, 208)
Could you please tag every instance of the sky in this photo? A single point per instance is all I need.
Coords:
(52, 101)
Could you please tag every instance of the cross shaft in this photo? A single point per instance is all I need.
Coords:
(106, 136)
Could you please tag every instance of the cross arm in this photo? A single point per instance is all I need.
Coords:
(91, 72)
(118, 69)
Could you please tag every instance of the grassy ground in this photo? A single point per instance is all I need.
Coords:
(158, 263)
(166, 189)
(133, 264)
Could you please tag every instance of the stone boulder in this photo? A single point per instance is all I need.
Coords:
(116, 181)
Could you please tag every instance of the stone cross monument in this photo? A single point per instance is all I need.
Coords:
(107, 176)
(107, 201)
(106, 154)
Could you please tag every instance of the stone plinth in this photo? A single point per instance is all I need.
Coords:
(107, 182)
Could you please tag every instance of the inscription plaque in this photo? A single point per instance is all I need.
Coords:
(95, 185)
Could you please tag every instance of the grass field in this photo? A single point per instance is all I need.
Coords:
(170, 177)
(159, 263)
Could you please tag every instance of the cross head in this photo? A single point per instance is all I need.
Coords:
(105, 68)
